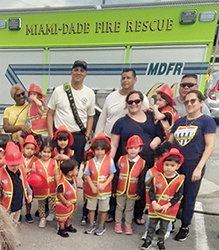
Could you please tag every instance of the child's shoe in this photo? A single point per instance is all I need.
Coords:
(160, 245)
(143, 237)
(146, 245)
(100, 230)
(118, 228)
(128, 230)
(90, 229)
(50, 217)
(29, 218)
(83, 221)
(63, 233)
(42, 223)
(71, 229)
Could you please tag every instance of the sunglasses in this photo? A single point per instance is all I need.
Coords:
(21, 94)
(192, 101)
(137, 101)
(62, 139)
(187, 84)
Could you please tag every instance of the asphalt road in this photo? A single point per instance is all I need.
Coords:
(203, 231)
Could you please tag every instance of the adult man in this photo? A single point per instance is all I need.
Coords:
(115, 105)
(188, 83)
(61, 113)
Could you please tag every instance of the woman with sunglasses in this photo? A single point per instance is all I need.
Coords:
(194, 136)
(136, 122)
(14, 118)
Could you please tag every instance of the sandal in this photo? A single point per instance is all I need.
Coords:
(109, 219)
(140, 221)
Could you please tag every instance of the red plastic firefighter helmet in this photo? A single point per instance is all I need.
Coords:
(166, 90)
(89, 151)
(62, 128)
(12, 155)
(35, 88)
(134, 141)
(30, 139)
(99, 137)
(37, 180)
(173, 151)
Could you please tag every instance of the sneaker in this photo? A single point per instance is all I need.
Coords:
(118, 228)
(29, 218)
(146, 245)
(128, 230)
(42, 223)
(90, 229)
(143, 237)
(63, 233)
(167, 235)
(182, 234)
(83, 221)
(50, 217)
(100, 230)
(160, 245)
(71, 229)
(20, 218)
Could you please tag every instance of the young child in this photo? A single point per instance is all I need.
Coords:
(158, 153)
(36, 113)
(163, 109)
(63, 140)
(165, 195)
(13, 182)
(66, 197)
(29, 147)
(129, 183)
(48, 169)
(98, 187)
(88, 154)
(1, 157)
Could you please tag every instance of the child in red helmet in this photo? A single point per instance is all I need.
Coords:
(63, 140)
(29, 147)
(98, 187)
(165, 195)
(130, 180)
(36, 113)
(13, 182)
(163, 109)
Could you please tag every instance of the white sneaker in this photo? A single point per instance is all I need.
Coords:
(42, 223)
(50, 217)
(143, 237)
(167, 235)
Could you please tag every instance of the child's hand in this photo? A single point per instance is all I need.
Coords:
(155, 107)
(101, 186)
(165, 207)
(156, 206)
(61, 157)
(68, 204)
(94, 189)
(29, 198)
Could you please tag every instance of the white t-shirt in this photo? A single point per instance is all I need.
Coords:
(84, 101)
(113, 109)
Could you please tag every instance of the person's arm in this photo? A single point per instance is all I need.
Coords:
(171, 138)
(101, 186)
(209, 148)
(56, 174)
(90, 182)
(50, 115)
(157, 114)
(156, 206)
(29, 193)
(61, 196)
(14, 128)
(89, 126)
(101, 121)
(114, 144)
(155, 142)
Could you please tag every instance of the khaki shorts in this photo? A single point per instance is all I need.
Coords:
(103, 205)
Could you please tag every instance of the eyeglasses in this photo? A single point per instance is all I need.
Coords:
(62, 139)
(137, 101)
(192, 101)
(187, 84)
(21, 94)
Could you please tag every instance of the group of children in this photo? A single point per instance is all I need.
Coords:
(49, 172)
